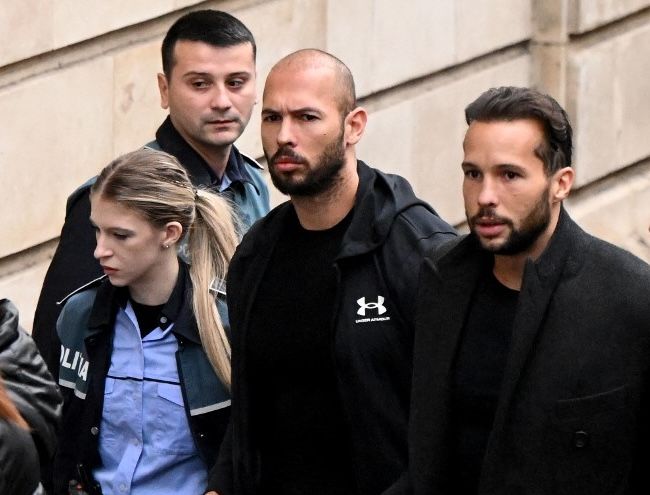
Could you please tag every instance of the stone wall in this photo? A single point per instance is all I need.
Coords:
(78, 87)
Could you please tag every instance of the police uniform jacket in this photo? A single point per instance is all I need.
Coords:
(85, 329)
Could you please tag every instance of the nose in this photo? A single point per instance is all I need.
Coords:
(286, 136)
(101, 250)
(220, 98)
(487, 195)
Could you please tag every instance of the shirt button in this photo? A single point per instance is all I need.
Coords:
(94, 430)
(122, 487)
(580, 439)
(163, 319)
(135, 442)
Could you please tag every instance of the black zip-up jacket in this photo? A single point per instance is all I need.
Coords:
(377, 269)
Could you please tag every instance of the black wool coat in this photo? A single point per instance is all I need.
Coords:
(573, 414)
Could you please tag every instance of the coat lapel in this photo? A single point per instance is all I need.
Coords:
(539, 284)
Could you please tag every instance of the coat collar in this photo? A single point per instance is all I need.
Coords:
(173, 143)
(379, 199)
(177, 309)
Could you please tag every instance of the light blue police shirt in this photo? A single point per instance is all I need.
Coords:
(145, 441)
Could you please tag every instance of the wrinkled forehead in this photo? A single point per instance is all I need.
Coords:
(302, 86)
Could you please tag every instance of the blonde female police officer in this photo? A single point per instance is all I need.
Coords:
(145, 360)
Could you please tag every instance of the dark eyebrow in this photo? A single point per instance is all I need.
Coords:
(193, 73)
(240, 74)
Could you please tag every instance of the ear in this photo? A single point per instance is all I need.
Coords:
(172, 233)
(163, 87)
(354, 125)
(562, 181)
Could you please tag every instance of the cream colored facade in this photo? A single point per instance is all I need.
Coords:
(78, 87)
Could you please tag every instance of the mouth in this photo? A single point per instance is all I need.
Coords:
(286, 163)
(109, 270)
(221, 121)
(489, 227)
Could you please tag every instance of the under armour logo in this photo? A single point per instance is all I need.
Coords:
(363, 305)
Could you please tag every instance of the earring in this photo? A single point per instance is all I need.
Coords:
(166, 246)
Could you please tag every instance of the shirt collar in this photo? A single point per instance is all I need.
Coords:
(170, 311)
(171, 141)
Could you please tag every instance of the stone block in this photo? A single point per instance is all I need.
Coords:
(179, 4)
(549, 69)
(550, 20)
(486, 25)
(387, 44)
(585, 15)
(136, 105)
(421, 138)
(32, 27)
(57, 131)
(607, 100)
(617, 211)
(23, 289)
(22, 31)
(386, 143)
(73, 22)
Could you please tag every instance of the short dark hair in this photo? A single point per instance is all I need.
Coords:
(512, 103)
(213, 27)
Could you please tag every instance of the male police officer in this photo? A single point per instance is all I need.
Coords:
(208, 85)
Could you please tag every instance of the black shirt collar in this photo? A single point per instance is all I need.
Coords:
(200, 172)
(171, 309)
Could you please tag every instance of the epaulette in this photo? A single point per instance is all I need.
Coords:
(89, 285)
(77, 193)
(218, 286)
(153, 145)
(251, 161)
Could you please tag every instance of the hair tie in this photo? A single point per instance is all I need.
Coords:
(196, 194)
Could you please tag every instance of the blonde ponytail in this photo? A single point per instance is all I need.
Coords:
(212, 242)
(154, 184)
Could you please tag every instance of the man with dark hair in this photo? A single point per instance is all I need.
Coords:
(532, 341)
(321, 298)
(208, 85)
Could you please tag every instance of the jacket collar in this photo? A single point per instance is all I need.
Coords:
(173, 143)
(380, 198)
(178, 308)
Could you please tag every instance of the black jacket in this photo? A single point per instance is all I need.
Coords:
(30, 387)
(572, 415)
(86, 328)
(380, 255)
(19, 466)
(73, 264)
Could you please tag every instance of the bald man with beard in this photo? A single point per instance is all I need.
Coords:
(321, 298)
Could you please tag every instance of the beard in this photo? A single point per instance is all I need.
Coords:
(522, 238)
(318, 178)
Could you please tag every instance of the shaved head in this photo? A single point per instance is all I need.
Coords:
(311, 58)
